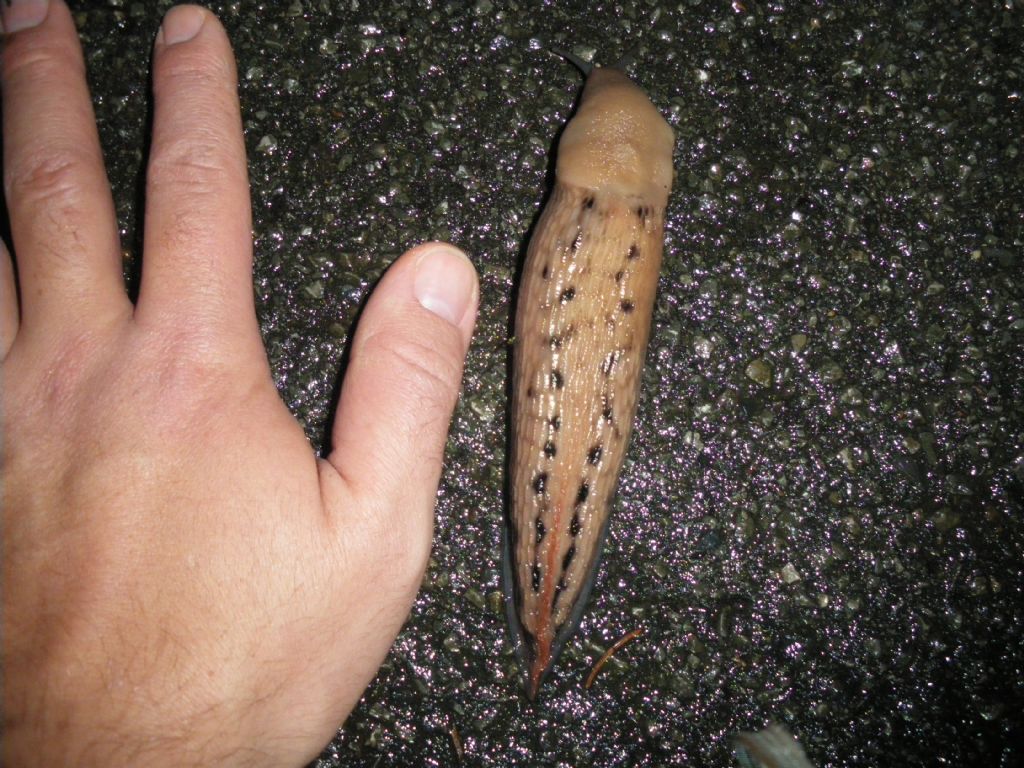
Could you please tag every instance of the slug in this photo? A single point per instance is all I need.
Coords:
(582, 322)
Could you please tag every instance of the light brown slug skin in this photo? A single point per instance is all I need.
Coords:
(582, 323)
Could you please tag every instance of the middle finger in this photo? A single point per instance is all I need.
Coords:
(63, 225)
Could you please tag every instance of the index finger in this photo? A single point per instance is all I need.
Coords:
(198, 238)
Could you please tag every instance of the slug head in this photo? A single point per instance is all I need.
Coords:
(617, 142)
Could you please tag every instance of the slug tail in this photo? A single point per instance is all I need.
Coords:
(537, 659)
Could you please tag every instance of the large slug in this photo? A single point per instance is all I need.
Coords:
(581, 329)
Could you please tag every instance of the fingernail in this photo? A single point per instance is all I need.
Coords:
(22, 14)
(445, 282)
(181, 24)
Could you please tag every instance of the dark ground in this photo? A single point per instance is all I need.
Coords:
(820, 520)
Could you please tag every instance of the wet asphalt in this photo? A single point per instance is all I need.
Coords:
(820, 518)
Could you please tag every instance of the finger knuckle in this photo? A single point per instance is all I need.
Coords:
(426, 374)
(48, 175)
(34, 63)
(193, 70)
(191, 359)
(200, 150)
(193, 165)
(58, 377)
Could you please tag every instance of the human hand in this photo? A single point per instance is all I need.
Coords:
(184, 583)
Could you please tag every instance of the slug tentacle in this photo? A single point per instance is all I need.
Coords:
(582, 65)
(582, 325)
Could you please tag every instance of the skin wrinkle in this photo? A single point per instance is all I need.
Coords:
(208, 280)
(31, 70)
(201, 158)
(208, 326)
(65, 217)
(427, 384)
(38, 62)
(430, 383)
(183, 70)
(397, 545)
(46, 172)
(70, 264)
(329, 475)
(181, 371)
(62, 378)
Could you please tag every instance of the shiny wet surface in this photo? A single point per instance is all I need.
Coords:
(820, 518)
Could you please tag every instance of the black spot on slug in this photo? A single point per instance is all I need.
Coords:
(607, 413)
(550, 449)
(640, 212)
(569, 555)
(540, 530)
(567, 295)
(556, 342)
(535, 578)
(595, 455)
(608, 364)
(577, 242)
(583, 493)
(540, 482)
(588, 203)
(574, 524)
(627, 306)
(634, 252)
(559, 589)
(557, 380)
(529, 392)
(546, 272)
(555, 422)
(619, 275)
